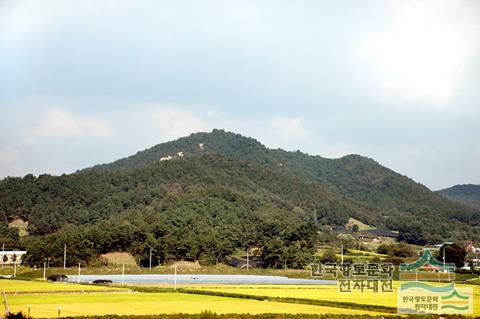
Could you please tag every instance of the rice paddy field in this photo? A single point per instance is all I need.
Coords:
(330, 293)
(46, 298)
(151, 303)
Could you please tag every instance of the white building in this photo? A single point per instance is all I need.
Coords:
(9, 257)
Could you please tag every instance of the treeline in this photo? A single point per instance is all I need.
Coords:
(49, 203)
(9, 237)
(202, 224)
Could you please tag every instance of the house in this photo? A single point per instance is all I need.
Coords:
(10, 257)
(470, 247)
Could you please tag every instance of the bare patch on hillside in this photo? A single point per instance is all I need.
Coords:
(21, 225)
(361, 226)
(185, 265)
(118, 259)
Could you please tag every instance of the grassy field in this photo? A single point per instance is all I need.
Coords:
(24, 286)
(328, 292)
(151, 303)
(45, 298)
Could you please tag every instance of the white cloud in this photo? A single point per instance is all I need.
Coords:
(289, 130)
(165, 123)
(59, 124)
(24, 20)
(423, 54)
(8, 155)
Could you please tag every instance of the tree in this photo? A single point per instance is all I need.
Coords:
(401, 250)
(347, 240)
(454, 253)
(329, 256)
(274, 253)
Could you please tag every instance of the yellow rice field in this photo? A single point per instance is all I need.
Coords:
(154, 303)
(328, 292)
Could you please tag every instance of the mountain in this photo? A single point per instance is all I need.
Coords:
(204, 196)
(468, 194)
(393, 200)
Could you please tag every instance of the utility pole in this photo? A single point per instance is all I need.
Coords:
(123, 274)
(342, 255)
(444, 269)
(443, 257)
(3, 253)
(150, 262)
(44, 269)
(14, 269)
(5, 303)
(78, 278)
(65, 256)
(175, 278)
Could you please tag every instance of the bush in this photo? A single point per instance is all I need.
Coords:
(328, 256)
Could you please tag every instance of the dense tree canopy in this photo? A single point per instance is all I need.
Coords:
(224, 192)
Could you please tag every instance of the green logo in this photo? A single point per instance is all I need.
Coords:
(425, 298)
(427, 268)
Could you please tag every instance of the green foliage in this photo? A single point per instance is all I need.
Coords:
(454, 253)
(347, 240)
(468, 194)
(372, 193)
(400, 250)
(225, 193)
(328, 256)
(193, 223)
(9, 237)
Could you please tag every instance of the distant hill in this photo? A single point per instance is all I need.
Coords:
(467, 194)
(204, 196)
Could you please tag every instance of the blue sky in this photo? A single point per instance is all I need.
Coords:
(87, 82)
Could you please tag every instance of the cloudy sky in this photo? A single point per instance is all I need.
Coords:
(87, 82)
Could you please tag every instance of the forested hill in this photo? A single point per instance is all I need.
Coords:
(380, 190)
(197, 208)
(467, 194)
(206, 195)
